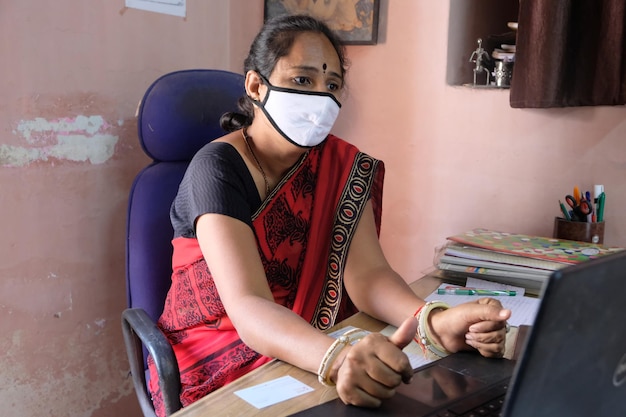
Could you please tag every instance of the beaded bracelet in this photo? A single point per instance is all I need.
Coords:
(423, 337)
(348, 338)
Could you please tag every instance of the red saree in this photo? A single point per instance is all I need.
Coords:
(303, 231)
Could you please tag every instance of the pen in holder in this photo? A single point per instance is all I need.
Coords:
(592, 232)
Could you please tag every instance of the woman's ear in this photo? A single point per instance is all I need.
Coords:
(253, 85)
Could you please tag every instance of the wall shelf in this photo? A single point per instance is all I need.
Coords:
(470, 20)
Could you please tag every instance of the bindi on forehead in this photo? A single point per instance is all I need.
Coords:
(324, 68)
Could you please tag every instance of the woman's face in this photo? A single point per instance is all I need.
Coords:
(312, 65)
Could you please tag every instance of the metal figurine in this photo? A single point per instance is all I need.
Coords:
(478, 57)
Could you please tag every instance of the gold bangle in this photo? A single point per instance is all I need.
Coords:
(424, 338)
(348, 338)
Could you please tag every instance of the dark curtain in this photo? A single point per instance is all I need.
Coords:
(570, 53)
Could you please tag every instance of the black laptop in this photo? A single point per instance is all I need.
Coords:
(572, 363)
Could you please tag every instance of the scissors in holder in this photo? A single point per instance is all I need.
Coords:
(581, 209)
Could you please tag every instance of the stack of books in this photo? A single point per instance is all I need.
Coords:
(515, 259)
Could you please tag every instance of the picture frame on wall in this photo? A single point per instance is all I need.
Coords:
(355, 21)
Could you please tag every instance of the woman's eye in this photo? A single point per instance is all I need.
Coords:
(302, 80)
(333, 86)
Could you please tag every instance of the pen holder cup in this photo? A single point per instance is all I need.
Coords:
(579, 231)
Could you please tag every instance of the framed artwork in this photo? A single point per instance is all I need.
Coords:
(355, 21)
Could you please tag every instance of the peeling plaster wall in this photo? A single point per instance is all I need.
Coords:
(71, 75)
(81, 139)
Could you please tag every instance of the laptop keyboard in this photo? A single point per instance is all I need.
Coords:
(486, 403)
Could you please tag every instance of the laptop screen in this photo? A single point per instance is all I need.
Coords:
(577, 345)
(437, 385)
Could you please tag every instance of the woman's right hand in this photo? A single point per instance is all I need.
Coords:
(371, 369)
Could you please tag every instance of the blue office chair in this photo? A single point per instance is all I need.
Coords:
(178, 114)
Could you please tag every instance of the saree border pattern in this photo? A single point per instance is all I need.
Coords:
(349, 210)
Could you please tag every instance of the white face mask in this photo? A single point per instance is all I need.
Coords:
(303, 117)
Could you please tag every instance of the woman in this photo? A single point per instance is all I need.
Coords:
(276, 239)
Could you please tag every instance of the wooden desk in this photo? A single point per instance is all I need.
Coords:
(223, 402)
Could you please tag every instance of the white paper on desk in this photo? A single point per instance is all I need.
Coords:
(524, 309)
(274, 391)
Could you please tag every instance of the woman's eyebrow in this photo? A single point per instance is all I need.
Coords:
(316, 70)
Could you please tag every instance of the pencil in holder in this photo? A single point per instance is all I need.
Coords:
(579, 231)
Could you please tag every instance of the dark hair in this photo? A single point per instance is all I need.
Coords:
(273, 42)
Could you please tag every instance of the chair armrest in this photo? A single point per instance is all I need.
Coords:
(139, 329)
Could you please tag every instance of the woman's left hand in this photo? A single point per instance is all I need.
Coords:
(372, 368)
(480, 325)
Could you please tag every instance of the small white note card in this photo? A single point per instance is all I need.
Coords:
(274, 391)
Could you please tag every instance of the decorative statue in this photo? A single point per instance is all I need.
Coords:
(478, 57)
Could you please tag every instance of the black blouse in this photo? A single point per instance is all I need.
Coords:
(216, 181)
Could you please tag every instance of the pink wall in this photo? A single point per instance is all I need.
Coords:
(71, 75)
(459, 158)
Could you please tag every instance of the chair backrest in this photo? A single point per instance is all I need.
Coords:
(178, 114)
